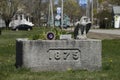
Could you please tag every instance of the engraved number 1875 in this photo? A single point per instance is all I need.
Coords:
(64, 55)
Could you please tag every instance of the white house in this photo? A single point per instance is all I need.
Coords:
(116, 16)
(19, 19)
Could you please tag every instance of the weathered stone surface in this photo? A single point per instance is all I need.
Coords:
(59, 55)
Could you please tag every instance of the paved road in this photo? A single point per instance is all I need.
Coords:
(114, 31)
(105, 31)
(100, 33)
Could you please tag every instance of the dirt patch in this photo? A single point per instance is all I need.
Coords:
(102, 36)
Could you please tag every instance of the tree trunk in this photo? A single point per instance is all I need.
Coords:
(7, 23)
(0, 31)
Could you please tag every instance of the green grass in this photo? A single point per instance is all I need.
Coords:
(110, 61)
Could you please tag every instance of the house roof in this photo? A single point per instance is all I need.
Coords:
(116, 9)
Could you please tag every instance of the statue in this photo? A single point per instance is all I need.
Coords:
(82, 28)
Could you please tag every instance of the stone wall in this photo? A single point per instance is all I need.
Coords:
(58, 55)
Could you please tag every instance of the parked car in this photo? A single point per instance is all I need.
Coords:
(23, 27)
(21, 21)
(65, 26)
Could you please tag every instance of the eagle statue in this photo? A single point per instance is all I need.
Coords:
(82, 28)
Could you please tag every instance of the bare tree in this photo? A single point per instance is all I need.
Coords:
(8, 8)
(72, 8)
(36, 8)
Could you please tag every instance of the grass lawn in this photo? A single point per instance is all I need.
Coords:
(110, 61)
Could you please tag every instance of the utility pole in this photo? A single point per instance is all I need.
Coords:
(92, 13)
(97, 6)
(88, 8)
(62, 14)
(49, 15)
(97, 11)
(52, 16)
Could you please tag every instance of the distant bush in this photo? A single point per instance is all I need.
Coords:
(35, 37)
(43, 35)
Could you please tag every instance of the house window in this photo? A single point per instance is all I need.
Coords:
(16, 17)
(27, 18)
(20, 17)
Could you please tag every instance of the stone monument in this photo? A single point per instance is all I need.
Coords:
(60, 55)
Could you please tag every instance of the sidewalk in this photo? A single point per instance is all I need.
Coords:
(106, 31)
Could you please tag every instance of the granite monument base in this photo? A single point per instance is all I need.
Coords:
(58, 55)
